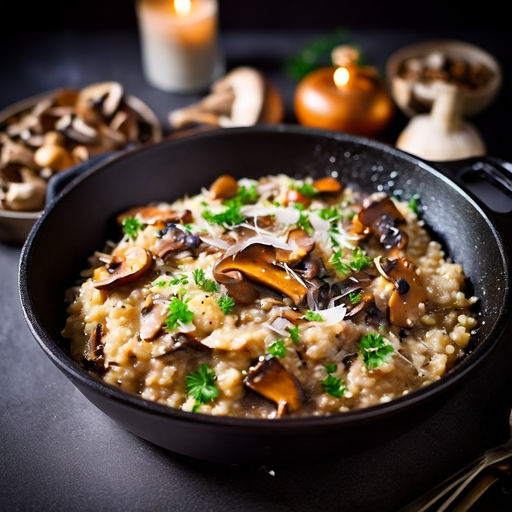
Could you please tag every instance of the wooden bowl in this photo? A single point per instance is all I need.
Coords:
(413, 98)
(15, 225)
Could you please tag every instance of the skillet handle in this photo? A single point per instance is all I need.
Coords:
(58, 182)
(495, 172)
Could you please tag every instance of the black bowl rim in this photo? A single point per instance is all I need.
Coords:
(351, 418)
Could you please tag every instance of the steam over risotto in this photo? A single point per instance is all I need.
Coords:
(269, 298)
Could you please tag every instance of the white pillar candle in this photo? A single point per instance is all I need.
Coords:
(179, 43)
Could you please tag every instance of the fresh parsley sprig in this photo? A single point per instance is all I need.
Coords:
(345, 265)
(201, 385)
(374, 350)
(226, 303)
(354, 297)
(414, 204)
(311, 316)
(306, 189)
(178, 313)
(277, 349)
(334, 386)
(294, 334)
(208, 285)
(229, 217)
(131, 227)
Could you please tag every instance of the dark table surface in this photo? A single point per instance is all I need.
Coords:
(60, 453)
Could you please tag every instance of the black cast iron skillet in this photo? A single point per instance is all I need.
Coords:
(81, 218)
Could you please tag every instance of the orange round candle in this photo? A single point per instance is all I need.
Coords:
(345, 98)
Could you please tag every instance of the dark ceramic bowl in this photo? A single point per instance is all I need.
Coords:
(80, 217)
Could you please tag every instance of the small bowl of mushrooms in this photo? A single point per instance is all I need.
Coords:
(414, 71)
(47, 134)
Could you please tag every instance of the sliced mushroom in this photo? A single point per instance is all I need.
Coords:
(327, 185)
(301, 244)
(241, 98)
(54, 157)
(105, 96)
(224, 187)
(94, 349)
(77, 129)
(409, 292)
(152, 318)
(256, 263)
(272, 380)
(171, 239)
(15, 153)
(383, 218)
(29, 195)
(364, 302)
(153, 214)
(173, 342)
(127, 264)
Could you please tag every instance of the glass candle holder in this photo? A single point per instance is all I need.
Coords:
(179, 43)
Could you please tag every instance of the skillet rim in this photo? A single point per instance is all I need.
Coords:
(75, 372)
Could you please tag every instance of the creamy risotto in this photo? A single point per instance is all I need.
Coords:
(269, 298)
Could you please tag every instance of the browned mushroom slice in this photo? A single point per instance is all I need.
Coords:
(409, 292)
(364, 302)
(224, 187)
(127, 265)
(301, 244)
(106, 97)
(256, 263)
(169, 343)
(94, 349)
(241, 290)
(383, 218)
(327, 185)
(152, 318)
(153, 214)
(272, 380)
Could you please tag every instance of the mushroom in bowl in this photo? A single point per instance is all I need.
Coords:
(47, 134)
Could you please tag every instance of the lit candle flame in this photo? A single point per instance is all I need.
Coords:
(341, 77)
(182, 7)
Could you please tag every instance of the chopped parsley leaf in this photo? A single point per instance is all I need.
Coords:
(330, 368)
(338, 263)
(306, 189)
(413, 204)
(183, 279)
(188, 227)
(311, 316)
(208, 285)
(294, 334)
(360, 261)
(350, 215)
(304, 223)
(159, 283)
(243, 196)
(330, 214)
(354, 297)
(334, 386)
(230, 217)
(374, 350)
(178, 313)
(201, 385)
(226, 303)
(382, 328)
(277, 349)
(299, 206)
(131, 227)
(345, 266)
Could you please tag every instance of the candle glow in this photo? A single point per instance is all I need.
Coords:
(182, 7)
(341, 77)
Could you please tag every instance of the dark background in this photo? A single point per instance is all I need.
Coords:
(266, 14)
